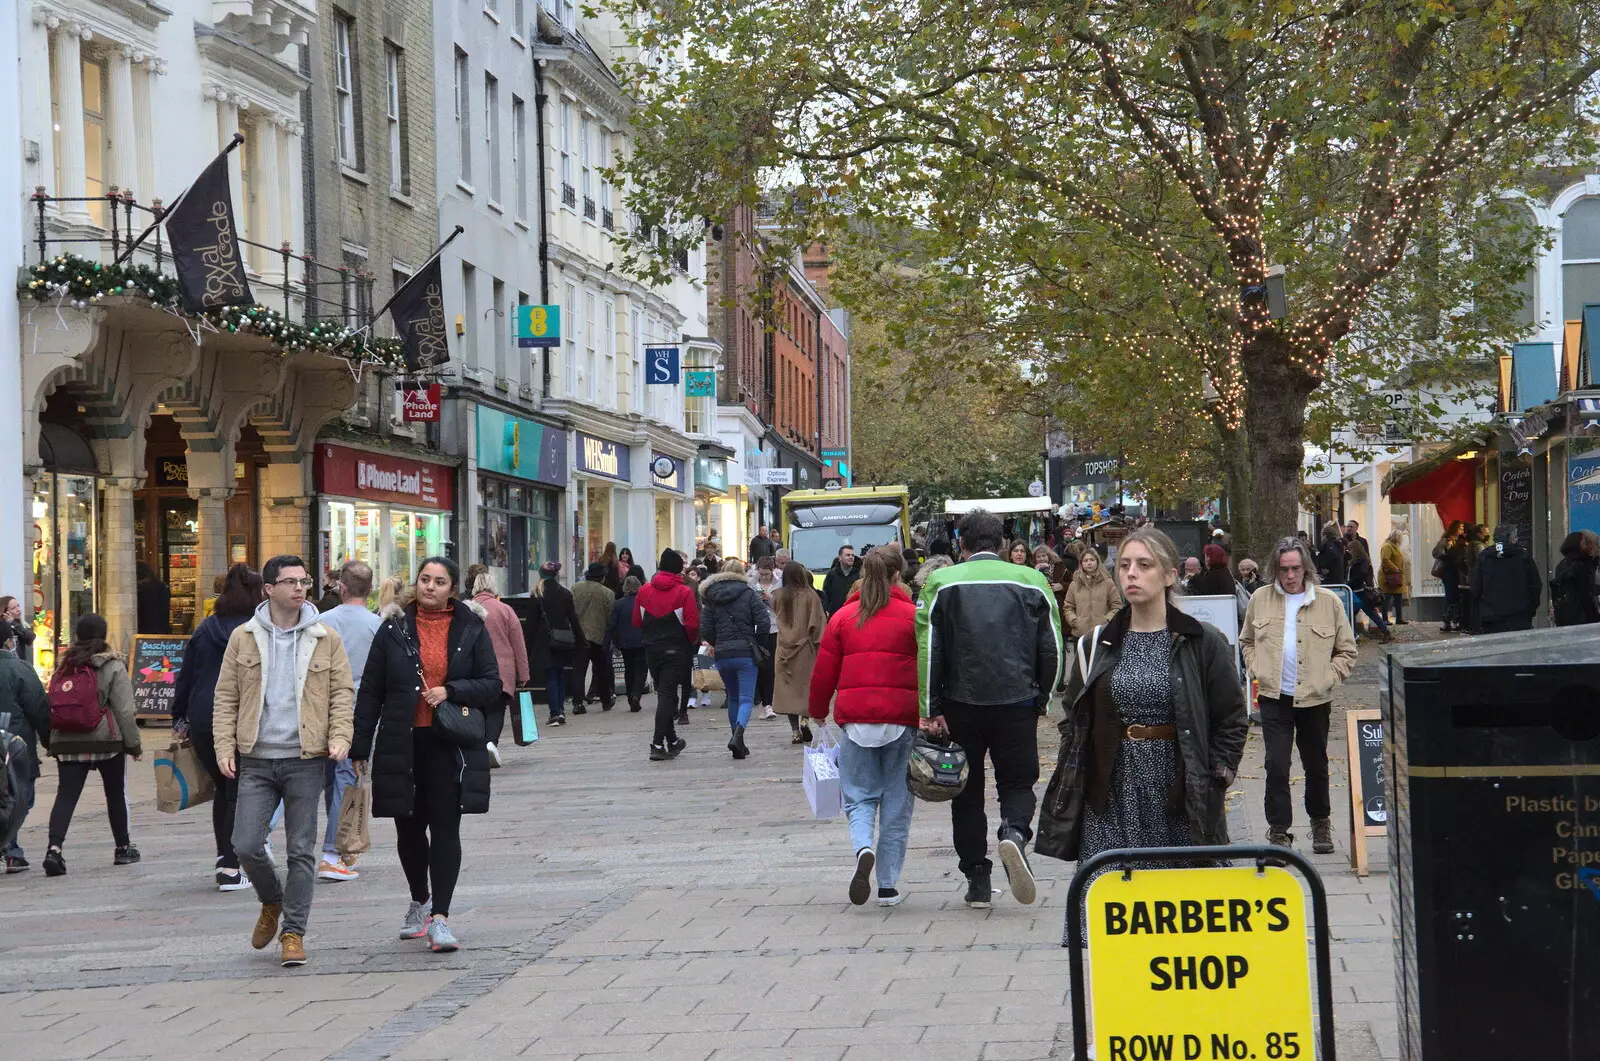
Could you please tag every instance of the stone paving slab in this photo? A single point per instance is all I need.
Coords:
(609, 907)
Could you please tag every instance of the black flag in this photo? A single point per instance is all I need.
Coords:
(205, 244)
(418, 312)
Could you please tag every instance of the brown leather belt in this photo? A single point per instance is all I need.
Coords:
(1150, 733)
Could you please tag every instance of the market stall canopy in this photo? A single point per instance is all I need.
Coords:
(999, 506)
(1444, 480)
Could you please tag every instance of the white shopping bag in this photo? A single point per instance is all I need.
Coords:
(820, 776)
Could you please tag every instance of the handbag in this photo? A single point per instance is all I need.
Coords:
(1438, 567)
(558, 638)
(459, 724)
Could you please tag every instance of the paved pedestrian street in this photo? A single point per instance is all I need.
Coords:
(608, 906)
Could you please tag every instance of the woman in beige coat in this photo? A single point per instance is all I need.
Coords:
(1092, 599)
(800, 626)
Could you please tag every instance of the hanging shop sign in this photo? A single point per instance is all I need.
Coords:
(1583, 485)
(661, 365)
(421, 404)
(666, 473)
(385, 477)
(774, 476)
(538, 326)
(711, 475)
(1200, 963)
(700, 383)
(510, 445)
(599, 456)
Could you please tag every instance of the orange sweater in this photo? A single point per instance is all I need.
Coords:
(433, 638)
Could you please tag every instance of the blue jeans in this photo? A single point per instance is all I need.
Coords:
(1371, 612)
(555, 687)
(739, 678)
(264, 784)
(341, 775)
(874, 784)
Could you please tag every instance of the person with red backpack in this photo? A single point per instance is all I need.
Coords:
(92, 726)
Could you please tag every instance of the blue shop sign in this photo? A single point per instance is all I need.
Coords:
(661, 365)
(510, 445)
(598, 456)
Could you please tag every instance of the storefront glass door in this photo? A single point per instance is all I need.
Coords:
(65, 518)
(351, 536)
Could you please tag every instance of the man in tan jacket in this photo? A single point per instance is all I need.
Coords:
(284, 706)
(1298, 644)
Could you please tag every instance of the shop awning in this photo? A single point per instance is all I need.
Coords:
(62, 449)
(716, 450)
(1533, 375)
(1444, 480)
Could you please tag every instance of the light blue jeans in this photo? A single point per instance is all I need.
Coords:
(739, 678)
(341, 775)
(874, 784)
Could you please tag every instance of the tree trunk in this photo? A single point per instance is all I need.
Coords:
(1274, 428)
(1236, 486)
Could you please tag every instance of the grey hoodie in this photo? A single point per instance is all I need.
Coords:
(279, 736)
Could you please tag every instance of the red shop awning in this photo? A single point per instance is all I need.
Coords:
(1444, 481)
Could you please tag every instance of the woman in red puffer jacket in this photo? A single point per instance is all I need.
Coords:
(868, 657)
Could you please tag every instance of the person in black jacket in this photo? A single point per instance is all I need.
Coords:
(1505, 585)
(734, 622)
(20, 628)
(1572, 586)
(25, 713)
(630, 640)
(1331, 560)
(154, 601)
(192, 702)
(435, 652)
(844, 573)
(563, 635)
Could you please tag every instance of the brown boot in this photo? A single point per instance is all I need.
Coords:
(1322, 836)
(294, 949)
(266, 925)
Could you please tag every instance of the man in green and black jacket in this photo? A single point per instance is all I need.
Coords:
(989, 656)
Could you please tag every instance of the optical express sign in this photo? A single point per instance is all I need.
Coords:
(1193, 964)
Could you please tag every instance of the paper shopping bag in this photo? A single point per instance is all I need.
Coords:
(354, 834)
(820, 777)
(524, 720)
(181, 781)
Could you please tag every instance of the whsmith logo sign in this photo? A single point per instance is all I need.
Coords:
(597, 456)
(370, 476)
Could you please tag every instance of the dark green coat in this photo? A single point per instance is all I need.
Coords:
(1208, 704)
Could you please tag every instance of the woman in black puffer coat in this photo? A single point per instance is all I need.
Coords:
(733, 621)
(435, 651)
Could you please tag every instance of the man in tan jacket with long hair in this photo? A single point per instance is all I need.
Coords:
(1297, 641)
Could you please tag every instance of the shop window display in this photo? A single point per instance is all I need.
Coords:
(65, 523)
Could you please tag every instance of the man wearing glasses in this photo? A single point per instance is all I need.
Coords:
(1297, 642)
(284, 707)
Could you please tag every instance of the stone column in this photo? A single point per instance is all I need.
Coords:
(286, 511)
(211, 483)
(292, 161)
(39, 94)
(69, 105)
(118, 583)
(228, 108)
(146, 69)
(122, 170)
(266, 182)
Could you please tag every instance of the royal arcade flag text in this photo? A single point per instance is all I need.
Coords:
(418, 313)
(205, 243)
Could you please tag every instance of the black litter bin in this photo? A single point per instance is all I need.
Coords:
(1494, 845)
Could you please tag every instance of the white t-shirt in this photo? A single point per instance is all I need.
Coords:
(874, 734)
(1292, 603)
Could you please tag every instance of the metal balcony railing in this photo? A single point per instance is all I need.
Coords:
(569, 196)
(588, 208)
(607, 219)
(320, 293)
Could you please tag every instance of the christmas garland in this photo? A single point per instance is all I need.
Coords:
(82, 282)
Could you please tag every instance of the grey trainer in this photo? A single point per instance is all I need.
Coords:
(440, 938)
(416, 922)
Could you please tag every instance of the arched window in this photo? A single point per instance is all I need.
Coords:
(1580, 257)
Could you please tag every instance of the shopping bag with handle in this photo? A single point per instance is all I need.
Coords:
(354, 834)
(524, 720)
(181, 781)
(706, 678)
(820, 775)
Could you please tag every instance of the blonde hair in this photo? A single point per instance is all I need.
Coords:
(395, 590)
(879, 568)
(733, 566)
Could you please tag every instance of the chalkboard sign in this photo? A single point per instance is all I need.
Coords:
(1369, 811)
(1516, 497)
(157, 659)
